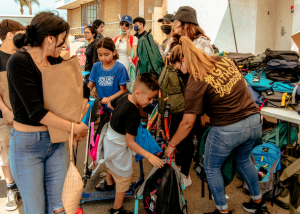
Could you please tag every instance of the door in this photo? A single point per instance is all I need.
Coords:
(286, 24)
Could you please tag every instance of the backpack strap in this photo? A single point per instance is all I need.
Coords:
(294, 95)
(277, 134)
(116, 38)
(131, 40)
(289, 171)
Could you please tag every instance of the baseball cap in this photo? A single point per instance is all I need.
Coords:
(127, 18)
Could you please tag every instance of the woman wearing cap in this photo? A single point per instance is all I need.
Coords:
(167, 28)
(99, 26)
(125, 43)
(217, 87)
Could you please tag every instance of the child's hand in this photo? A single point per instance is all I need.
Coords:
(155, 161)
(105, 100)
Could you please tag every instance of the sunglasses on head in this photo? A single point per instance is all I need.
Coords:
(124, 23)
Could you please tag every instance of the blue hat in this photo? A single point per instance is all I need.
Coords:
(127, 18)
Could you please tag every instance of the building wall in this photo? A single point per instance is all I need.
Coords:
(266, 24)
(74, 20)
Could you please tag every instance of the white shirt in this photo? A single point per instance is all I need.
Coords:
(121, 47)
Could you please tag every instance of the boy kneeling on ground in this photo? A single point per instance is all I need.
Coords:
(119, 144)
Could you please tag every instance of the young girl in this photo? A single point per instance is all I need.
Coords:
(109, 76)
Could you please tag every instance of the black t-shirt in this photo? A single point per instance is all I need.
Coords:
(140, 35)
(91, 56)
(3, 62)
(126, 116)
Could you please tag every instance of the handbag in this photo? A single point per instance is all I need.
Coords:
(63, 94)
(73, 185)
(4, 92)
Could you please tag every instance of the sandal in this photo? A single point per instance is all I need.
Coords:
(105, 187)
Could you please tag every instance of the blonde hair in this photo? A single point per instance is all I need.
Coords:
(198, 63)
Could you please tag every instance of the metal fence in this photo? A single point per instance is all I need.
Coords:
(110, 30)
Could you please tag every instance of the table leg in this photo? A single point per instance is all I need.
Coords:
(288, 133)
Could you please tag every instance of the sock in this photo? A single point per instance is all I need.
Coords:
(11, 186)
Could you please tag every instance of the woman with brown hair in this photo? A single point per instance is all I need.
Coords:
(217, 87)
(186, 24)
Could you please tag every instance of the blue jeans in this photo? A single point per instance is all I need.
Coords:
(221, 140)
(39, 169)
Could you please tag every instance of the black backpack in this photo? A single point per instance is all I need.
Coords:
(163, 191)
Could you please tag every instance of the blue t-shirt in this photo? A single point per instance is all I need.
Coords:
(108, 81)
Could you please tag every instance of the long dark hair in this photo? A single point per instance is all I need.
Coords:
(109, 44)
(42, 25)
(93, 31)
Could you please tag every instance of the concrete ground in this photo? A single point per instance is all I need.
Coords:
(196, 204)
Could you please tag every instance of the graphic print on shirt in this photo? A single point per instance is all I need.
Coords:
(106, 81)
(224, 77)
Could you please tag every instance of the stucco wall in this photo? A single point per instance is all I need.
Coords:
(214, 18)
(266, 24)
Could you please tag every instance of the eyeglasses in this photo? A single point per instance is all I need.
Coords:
(86, 33)
(124, 23)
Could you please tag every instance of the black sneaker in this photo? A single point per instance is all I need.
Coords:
(12, 200)
(252, 207)
(119, 211)
(218, 212)
(105, 187)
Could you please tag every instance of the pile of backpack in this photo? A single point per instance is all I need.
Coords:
(273, 79)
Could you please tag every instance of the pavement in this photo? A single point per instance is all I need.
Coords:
(196, 204)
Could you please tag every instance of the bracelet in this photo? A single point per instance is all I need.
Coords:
(172, 146)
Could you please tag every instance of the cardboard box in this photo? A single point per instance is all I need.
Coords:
(296, 38)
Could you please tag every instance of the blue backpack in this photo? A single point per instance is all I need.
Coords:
(284, 87)
(263, 83)
(267, 156)
(146, 141)
(258, 99)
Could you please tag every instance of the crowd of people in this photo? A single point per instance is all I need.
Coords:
(36, 168)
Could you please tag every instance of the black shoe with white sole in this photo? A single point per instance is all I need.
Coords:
(12, 200)
(253, 207)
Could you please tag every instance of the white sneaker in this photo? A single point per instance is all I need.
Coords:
(11, 201)
(186, 181)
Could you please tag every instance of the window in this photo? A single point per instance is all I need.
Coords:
(88, 13)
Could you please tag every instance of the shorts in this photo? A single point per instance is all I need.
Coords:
(4, 142)
(122, 183)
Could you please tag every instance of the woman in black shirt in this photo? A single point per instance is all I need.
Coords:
(38, 166)
(90, 34)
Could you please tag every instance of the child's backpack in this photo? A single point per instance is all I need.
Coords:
(171, 91)
(163, 191)
(131, 74)
(150, 59)
(146, 141)
(266, 158)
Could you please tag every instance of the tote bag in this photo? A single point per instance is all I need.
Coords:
(63, 94)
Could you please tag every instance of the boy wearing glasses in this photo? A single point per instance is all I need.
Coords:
(126, 42)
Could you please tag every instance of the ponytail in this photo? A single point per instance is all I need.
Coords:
(198, 63)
